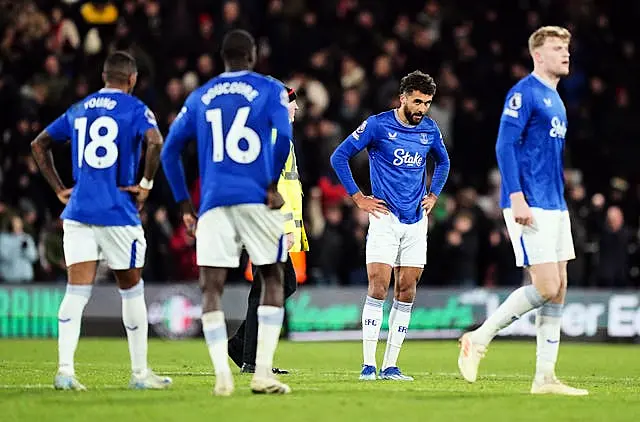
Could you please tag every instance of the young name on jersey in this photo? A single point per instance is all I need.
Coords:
(106, 130)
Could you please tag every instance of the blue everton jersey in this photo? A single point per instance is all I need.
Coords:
(106, 130)
(530, 145)
(398, 160)
(232, 118)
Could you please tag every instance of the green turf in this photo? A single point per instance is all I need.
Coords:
(324, 382)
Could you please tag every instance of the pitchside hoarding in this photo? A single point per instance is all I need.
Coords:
(317, 313)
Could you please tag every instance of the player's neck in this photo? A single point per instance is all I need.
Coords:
(238, 66)
(401, 117)
(547, 78)
(118, 87)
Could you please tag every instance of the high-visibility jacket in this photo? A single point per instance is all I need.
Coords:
(291, 190)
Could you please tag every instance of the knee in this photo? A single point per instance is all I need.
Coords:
(377, 290)
(211, 281)
(550, 288)
(378, 287)
(406, 291)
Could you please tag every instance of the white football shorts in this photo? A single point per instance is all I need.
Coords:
(397, 244)
(548, 240)
(223, 231)
(122, 247)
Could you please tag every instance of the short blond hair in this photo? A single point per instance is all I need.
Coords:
(538, 38)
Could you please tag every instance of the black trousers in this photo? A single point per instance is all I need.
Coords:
(243, 344)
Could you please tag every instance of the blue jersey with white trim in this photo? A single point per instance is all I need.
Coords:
(398, 161)
(106, 130)
(530, 145)
(232, 117)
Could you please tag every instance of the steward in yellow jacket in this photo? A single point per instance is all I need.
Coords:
(291, 190)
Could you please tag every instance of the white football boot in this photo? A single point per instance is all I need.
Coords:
(67, 382)
(269, 385)
(469, 357)
(551, 385)
(224, 385)
(149, 381)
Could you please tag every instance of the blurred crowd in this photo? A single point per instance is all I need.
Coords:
(345, 58)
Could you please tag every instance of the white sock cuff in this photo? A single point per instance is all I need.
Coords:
(214, 327)
(270, 315)
(135, 291)
(551, 310)
(83, 290)
(374, 303)
(213, 318)
(533, 296)
(402, 306)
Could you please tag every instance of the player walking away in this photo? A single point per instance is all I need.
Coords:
(232, 117)
(101, 218)
(398, 142)
(529, 152)
(242, 346)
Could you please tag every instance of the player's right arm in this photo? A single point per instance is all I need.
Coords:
(181, 131)
(58, 131)
(355, 143)
(516, 113)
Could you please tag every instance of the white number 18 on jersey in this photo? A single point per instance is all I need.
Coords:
(102, 133)
(231, 142)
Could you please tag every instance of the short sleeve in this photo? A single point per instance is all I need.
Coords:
(145, 120)
(60, 129)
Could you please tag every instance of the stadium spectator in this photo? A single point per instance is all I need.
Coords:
(344, 59)
(17, 253)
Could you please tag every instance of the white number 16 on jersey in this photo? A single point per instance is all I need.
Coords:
(231, 143)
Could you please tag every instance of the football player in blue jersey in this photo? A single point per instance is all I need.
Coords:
(232, 117)
(529, 151)
(398, 142)
(101, 219)
(242, 345)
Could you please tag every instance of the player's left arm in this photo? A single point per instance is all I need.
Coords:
(440, 173)
(154, 141)
(148, 127)
(282, 145)
(58, 131)
(181, 131)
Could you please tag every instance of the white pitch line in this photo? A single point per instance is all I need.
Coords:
(426, 375)
(517, 377)
(185, 373)
(50, 387)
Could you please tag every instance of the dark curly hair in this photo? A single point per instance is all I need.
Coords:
(418, 81)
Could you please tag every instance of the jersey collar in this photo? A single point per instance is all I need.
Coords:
(232, 74)
(110, 91)
(395, 114)
(542, 81)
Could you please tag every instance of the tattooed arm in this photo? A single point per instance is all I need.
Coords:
(153, 138)
(41, 150)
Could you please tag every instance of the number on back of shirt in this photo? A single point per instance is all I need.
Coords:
(230, 143)
(103, 132)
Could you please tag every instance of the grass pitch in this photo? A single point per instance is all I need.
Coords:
(325, 385)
